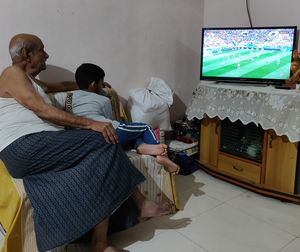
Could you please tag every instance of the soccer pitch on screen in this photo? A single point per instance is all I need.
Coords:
(256, 63)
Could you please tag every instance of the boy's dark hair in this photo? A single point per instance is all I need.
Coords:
(86, 73)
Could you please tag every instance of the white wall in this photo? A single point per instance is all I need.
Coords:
(131, 39)
(225, 13)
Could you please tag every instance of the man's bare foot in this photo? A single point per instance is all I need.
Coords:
(153, 149)
(100, 247)
(152, 209)
(113, 249)
(169, 165)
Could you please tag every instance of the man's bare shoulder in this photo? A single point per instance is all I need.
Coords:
(12, 71)
(12, 74)
(9, 79)
(5, 80)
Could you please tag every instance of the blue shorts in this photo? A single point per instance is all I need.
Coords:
(131, 135)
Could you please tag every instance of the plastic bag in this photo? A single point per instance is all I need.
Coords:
(161, 89)
(151, 105)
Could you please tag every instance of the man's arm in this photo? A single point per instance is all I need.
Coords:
(57, 87)
(18, 86)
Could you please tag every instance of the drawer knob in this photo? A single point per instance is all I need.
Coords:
(238, 168)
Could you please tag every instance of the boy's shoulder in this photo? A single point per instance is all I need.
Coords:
(85, 96)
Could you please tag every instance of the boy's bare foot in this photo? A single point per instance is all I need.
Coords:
(153, 149)
(152, 209)
(169, 165)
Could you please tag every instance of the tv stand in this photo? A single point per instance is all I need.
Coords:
(245, 83)
(239, 146)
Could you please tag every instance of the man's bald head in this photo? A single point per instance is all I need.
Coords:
(19, 42)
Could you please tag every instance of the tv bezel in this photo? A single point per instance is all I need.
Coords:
(262, 81)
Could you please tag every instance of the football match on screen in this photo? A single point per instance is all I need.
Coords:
(242, 53)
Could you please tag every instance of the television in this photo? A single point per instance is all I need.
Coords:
(260, 55)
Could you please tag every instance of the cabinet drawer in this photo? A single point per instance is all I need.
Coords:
(239, 169)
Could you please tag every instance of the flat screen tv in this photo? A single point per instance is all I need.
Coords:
(249, 55)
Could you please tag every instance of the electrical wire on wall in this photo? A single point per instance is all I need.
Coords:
(249, 16)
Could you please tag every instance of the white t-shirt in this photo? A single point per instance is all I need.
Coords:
(89, 105)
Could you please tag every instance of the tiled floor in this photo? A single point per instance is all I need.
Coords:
(218, 217)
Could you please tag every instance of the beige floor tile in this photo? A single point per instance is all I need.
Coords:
(144, 231)
(284, 216)
(227, 229)
(166, 241)
(204, 183)
(193, 204)
(294, 246)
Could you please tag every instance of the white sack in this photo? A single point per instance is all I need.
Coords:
(151, 105)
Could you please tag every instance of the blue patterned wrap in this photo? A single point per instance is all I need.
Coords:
(74, 180)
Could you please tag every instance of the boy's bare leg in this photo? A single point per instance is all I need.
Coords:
(169, 165)
(150, 208)
(152, 149)
(99, 240)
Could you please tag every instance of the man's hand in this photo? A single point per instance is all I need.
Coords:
(107, 131)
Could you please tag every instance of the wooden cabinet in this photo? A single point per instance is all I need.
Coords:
(275, 175)
(209, 144)
(281, 161)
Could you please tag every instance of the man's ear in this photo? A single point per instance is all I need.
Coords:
(25, 55)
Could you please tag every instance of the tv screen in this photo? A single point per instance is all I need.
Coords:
(256, 54)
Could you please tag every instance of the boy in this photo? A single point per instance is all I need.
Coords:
(140, 136)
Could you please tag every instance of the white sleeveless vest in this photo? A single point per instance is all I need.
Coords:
(17, 121)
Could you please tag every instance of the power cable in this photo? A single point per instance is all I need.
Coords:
(249, 16)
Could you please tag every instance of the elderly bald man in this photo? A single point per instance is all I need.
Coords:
(75, 179)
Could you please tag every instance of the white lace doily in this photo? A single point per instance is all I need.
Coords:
(272, 108)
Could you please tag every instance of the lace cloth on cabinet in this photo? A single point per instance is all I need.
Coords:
(271, 108)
